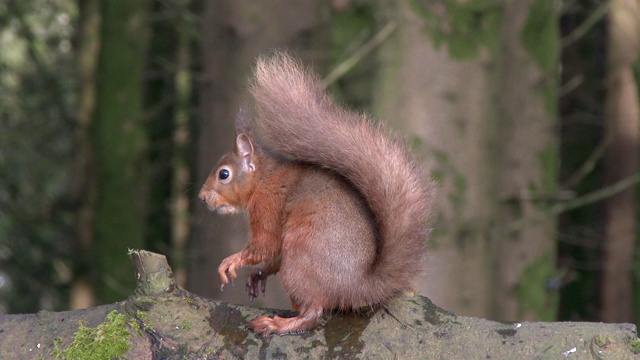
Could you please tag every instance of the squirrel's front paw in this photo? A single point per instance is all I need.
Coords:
(256, 282)
(229, 265)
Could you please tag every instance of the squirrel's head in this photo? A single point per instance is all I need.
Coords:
(232, 180)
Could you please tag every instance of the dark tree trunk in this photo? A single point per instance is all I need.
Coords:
(120, 146)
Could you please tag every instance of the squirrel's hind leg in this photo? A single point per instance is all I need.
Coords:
(306, 319)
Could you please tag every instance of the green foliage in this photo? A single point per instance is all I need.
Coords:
(549, 165)
(532, 291)
(635, 346)
(465, 27)
(41, 184)
(350, 30)
(37, 83)
(108, 340)
(540, 36)
(448, 170)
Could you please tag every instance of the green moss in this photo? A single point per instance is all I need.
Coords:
(141, 315)
(635, 346)
(57, 352)
(106, 341)
(147, 300)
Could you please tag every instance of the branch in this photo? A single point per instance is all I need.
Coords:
(588, 165)
(163, 321)
(590, 198)
(586, 25)
(359, 54)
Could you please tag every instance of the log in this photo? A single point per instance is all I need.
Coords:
(163, 321)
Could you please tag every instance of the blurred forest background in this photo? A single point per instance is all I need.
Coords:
(112, 114)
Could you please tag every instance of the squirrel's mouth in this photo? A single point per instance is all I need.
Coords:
(212, 199)
(225, 209)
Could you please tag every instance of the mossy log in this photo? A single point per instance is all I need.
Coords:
(163, 321)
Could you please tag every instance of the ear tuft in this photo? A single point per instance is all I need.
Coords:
(243, 121)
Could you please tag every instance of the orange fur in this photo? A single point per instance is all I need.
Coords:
(336, 204)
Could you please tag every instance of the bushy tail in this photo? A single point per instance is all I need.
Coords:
(299, 119)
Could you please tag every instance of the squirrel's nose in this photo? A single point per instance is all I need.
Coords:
(202, 196)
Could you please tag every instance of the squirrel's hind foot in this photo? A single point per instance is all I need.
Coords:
(277, 325)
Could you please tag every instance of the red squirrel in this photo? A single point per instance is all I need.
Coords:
(337, 205)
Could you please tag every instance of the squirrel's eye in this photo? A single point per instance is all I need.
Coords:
(223, 174)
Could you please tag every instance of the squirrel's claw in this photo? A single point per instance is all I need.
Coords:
(257, 282)
(264, 325)
(229, 265)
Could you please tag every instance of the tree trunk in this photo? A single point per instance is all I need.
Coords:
(160, 103)
(527, 151)
(82, 293)
(440, 101)
(162, 321)
(622, 112)
(479, 96)
(120, 146)
(169, 98)
(181, 179)
(236, 32)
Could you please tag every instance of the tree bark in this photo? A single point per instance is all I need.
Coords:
(161, 320)
(236, 32)
(622, 125)
(527, 153)
(479, 97)
(421, 87)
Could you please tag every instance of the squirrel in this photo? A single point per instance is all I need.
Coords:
(336, 204)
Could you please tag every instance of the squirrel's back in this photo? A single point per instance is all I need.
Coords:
(300, 120)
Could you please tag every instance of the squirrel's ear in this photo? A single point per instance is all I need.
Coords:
(244, 149)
